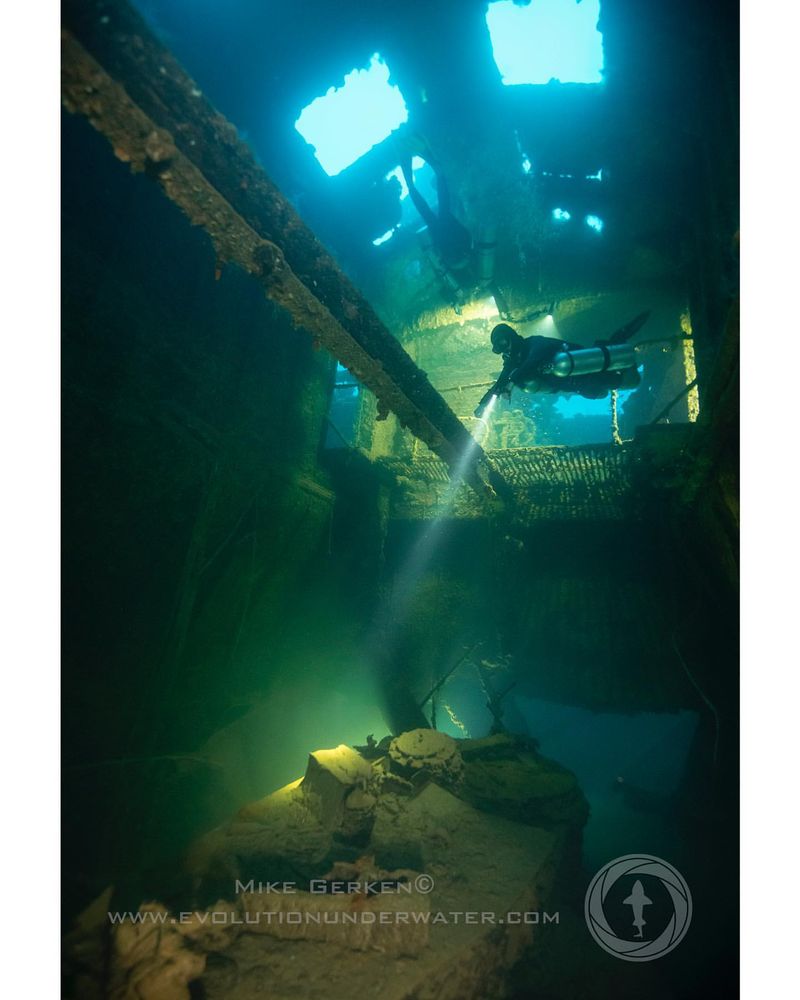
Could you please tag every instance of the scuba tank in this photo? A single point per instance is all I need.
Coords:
(485, 253)
(589, 360)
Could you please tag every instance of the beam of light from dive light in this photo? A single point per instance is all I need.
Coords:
(485, 407)
(411, 573)
(484, 418)
(467, 456)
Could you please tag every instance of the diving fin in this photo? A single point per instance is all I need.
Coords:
(624, 334)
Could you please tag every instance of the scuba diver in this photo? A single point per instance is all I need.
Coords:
(452, 243)
(544, 364)
(450, 238)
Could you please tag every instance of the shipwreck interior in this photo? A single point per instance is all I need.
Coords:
(500, 650)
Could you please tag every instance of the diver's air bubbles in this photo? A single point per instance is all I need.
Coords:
(561, 215)
(383, 239)
(594, 222)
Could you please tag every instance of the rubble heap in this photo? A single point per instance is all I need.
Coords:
(368, 876)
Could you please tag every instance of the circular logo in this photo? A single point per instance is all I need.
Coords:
(638, 907)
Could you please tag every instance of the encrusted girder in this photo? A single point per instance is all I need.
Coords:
(132, 90)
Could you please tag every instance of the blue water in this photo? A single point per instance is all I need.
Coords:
(648, 750)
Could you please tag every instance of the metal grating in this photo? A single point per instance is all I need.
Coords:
(591, 482)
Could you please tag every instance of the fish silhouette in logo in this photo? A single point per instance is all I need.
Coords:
(637, 901)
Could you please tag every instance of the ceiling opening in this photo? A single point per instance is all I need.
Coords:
(347, 121)
(546, 40)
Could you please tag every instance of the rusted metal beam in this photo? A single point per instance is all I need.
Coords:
(136, 140)
(116, 74)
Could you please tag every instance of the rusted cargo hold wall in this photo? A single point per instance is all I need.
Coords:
(194, 508)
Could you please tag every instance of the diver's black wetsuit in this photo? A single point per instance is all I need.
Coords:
(451, 240)
(529, 355)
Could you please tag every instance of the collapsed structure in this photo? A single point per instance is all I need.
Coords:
(605, 573)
